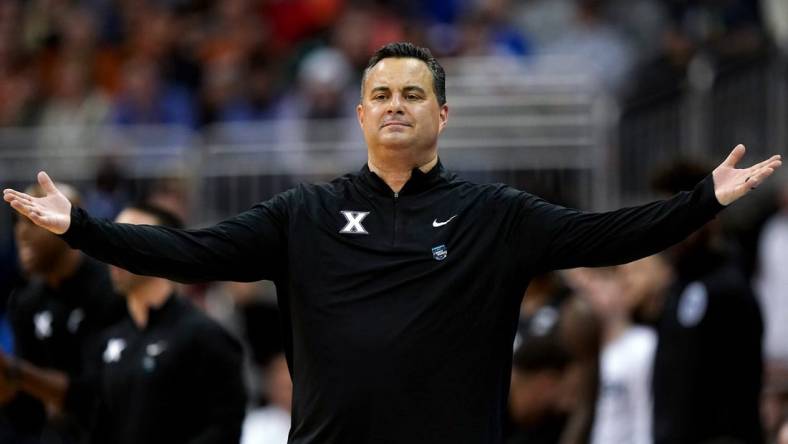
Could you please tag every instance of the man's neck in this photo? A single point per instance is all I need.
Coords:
(151, 295)
(396, 174)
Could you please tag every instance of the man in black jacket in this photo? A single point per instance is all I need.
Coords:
(399, 285)
(708, 365)
(65, 303)
(164, 373)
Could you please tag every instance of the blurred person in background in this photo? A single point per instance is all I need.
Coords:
(294, 21)
(545, 21)
(163, 373)
(775, 409)
(557, 343)
(726, 33)
(248, 310)
(146, 99)
(363, 28)
(66, 302)
(624, 408)
(171, 192)
(324, 88)
(271, 424)
(643, 22)
(771, 284)
(541, 307)
(225, 92)
(370, 362)
(235, 41)
(263, 77)
(72, 116)
(19, 91)
(591, 46)
(66, 34)
(488, 31)
(538, 375)
(581, 330)
(775, 17)
(109, 193)
(709, 365)
(730, 30)
(10, 278)
(782, 436)
(76, 71)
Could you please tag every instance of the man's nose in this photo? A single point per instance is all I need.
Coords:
(395, 105)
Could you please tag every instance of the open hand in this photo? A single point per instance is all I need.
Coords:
(731, 183)
(52, 211)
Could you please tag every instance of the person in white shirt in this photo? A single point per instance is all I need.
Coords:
(271, 424)
(624, 408)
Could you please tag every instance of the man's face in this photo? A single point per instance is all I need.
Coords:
(122, 280)
(39, 251)
(399, 109)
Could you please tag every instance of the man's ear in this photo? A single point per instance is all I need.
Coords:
(443, 117)
(360, 115)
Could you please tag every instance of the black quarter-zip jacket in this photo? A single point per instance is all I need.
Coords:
(399, 309)
(176, 380)
(52, 326)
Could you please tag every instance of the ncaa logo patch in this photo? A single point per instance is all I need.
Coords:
(439, 253)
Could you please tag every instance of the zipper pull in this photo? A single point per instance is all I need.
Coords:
(396, 195)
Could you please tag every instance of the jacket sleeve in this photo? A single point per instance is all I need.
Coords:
(248, 247)
(553, 237)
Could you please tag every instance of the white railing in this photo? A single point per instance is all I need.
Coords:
(506, 123)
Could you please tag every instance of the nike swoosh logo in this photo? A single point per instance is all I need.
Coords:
(436, 224)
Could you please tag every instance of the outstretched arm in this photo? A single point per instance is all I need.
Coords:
(247, 247)
(570, 238)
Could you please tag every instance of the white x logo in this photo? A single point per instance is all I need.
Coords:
(114, 348)
(43, 324)
(354, 219)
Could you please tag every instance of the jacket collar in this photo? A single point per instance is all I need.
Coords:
(163, 314)
(418, 182)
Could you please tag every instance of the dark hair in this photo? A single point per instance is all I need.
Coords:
(163, 217)
(409, 50)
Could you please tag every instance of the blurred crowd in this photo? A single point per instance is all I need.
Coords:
(198, 62)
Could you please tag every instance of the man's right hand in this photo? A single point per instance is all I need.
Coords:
(52, 211)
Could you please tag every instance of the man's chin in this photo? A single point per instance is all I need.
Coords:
(394, 142)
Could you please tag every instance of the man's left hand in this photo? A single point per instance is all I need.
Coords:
(731, 183)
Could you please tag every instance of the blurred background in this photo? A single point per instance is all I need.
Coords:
(206, 107)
